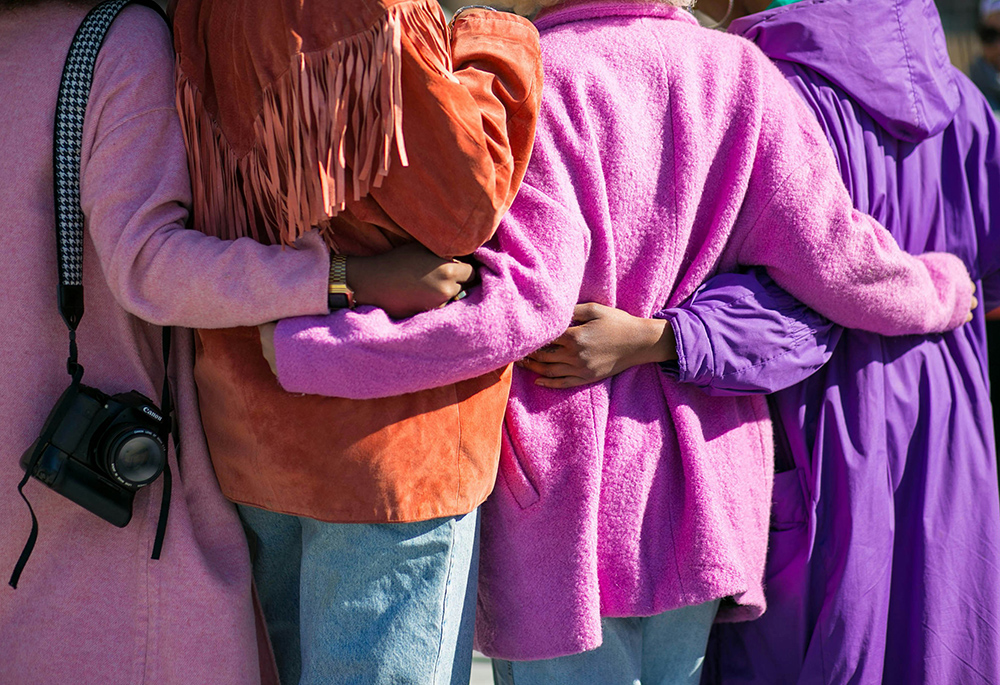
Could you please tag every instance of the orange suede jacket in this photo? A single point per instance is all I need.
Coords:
(376, 124)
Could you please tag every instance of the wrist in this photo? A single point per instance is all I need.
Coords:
(656, 342)
(357, 279)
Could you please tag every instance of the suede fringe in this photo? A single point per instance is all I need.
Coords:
(334, 112)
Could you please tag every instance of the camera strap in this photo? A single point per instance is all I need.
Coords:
(167, 407)
(71, 108)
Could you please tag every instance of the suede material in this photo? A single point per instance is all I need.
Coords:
(224, 38)
(405, 458)
(471, 98)
(468, 120)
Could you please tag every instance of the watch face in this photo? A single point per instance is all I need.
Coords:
(338, 301)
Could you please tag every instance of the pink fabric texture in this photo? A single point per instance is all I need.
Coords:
(92, 608)
(665, 153)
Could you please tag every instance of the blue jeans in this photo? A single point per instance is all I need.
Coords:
(666, 649)
(367, 603)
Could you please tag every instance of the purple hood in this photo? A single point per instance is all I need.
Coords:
(889, 56)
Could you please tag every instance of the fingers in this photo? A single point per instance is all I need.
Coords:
(588, 311)
(556, 376)
(452, 276)
(549, 370)
(972, 308)
(550, 354)
(562, 383)
(460, 272)
(267, 345)
(565, 347)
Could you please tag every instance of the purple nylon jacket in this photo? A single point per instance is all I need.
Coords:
(884, 559)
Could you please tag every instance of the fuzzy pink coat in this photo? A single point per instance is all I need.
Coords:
(665, 153)
(91, 607)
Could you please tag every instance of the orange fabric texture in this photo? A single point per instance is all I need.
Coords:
(407, 458)
(376, 124)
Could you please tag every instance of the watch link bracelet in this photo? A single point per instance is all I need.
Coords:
(340, 295)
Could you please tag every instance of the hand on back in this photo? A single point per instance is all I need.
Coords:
(407, 280)
(603, 342)
(404, 281)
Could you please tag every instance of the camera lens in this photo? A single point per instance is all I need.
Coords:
(135, 457)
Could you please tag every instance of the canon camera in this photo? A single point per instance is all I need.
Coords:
(102, 450)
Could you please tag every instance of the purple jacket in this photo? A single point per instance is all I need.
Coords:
(884, 560)
(635, 495)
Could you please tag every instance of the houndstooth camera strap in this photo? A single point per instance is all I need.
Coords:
(71, 107)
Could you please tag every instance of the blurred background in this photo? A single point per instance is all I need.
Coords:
(960, 18)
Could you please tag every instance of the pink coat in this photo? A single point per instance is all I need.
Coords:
(91, 607)
(665, 153)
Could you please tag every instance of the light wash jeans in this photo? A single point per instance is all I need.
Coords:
(367, 604)
(666, 649)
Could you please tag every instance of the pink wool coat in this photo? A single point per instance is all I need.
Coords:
(665, 153)
(91, 607)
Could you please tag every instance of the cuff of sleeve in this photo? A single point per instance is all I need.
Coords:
(295, 370)
(947, 269)
(318, 303)
(693, 359)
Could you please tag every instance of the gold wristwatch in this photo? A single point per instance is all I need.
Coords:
(340, 295)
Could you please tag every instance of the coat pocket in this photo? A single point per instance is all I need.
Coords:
(788, 544)
(514, 474)
(788, 501)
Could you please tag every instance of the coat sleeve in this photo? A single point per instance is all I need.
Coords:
(531, 277)
(135, 191)
(798, 221)
(468, 134)
(743, 334)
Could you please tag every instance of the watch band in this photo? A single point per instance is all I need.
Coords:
(339, 295)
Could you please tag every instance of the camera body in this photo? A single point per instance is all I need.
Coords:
(101, 451)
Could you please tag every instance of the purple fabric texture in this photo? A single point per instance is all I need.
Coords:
(743, 334)
(635, 495)
(884, 559)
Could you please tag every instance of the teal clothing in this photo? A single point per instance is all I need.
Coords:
(781, 3)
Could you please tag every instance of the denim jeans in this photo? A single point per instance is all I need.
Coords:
(367, 603)
(666, 649)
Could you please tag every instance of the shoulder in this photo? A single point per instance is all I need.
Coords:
(134, 72)
(139, 38)
(137, 57)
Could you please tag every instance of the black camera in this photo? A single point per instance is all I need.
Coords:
(96, 450)
(102, 450)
